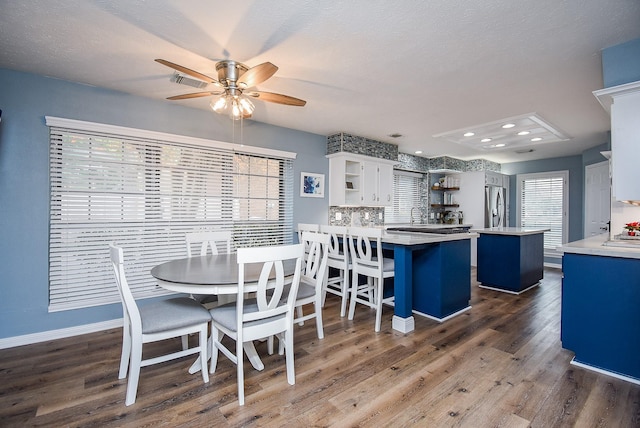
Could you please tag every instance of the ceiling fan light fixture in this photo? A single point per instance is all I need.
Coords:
(219, 105)
(246, 105)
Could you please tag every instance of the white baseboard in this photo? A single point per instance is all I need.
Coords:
(28, 339)
(633, 380)
(403, 325)
(448, 317)
(509, 291)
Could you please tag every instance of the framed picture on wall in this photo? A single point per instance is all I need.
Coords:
(311, 185)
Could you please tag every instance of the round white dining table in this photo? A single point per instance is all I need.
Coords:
(212, 274)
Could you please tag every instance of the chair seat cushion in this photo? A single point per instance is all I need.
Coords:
(304, 290)
(225, 315)
(388, 265)
(171, 314)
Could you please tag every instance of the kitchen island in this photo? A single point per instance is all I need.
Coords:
(432, 275)
(600, 318)
(510, 259)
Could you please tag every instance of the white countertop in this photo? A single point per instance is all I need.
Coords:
(513, 231)
(426, 225)
(417, 238)
(596, 246)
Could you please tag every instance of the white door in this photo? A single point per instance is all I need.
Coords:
(597, 199)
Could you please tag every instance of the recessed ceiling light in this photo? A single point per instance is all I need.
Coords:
(469, 134)
(418, 152)
(500, 145)
(508, 125)
(536, 139)
(524, 133)
(531, 122)
(485, 140)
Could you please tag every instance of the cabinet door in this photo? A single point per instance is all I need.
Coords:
(493, 179)
(336, 181)
(369, 183)
(385, 184)
(625, 131)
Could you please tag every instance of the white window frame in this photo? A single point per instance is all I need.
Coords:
(400, 211)
(564, 175)
(145, 199)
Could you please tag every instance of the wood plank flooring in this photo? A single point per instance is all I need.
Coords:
(500, 364)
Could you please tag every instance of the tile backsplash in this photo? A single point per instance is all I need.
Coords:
(356, 216)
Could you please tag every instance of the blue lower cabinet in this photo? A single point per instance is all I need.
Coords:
(510, 262)
(600, 319)
(433, 279)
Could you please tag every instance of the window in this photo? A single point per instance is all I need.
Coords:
(406, 195)
(543, 202)
(112, 184)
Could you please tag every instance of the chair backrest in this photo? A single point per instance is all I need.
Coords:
(208, 240)
(269, 294)
(316, 260)
(306, 227)
(338, 247)
(130, 310)
(366, 258)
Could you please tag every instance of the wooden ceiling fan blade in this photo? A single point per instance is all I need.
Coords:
(277, 98)
(189, 71)
(256, 75)
(194, 95)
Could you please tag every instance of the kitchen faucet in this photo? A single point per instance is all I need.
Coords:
(411, 215)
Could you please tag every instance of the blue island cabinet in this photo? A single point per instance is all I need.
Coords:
(510, 259)
(600, 319)
(432, 280)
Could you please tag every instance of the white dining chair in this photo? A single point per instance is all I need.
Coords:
(312, 280)
(306, 227)
(338, 261)
(156, 321)
(209, 242)
(368, 260)
(270, 313)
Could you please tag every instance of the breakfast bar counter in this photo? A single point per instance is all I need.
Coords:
(432, 275)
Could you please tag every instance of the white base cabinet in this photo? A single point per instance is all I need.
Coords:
(356, 180)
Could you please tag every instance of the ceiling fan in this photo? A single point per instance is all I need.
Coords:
(235, 81)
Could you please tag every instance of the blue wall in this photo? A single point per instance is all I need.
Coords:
(25, 100)
(621, 63)
(576, 167)
(576, 186)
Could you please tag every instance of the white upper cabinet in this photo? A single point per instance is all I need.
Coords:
(385, 183)
(360, 180)
(493, 179)
(623, 102)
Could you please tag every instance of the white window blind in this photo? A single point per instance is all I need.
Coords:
(543, 204)
(406, 194)
(145, 194)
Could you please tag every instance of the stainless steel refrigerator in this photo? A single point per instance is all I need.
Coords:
(494, 207)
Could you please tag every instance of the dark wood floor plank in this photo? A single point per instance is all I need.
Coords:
(500, 364)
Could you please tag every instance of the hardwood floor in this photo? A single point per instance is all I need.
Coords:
(500, 364)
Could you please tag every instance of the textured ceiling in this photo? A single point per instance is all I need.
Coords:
(365, 67)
